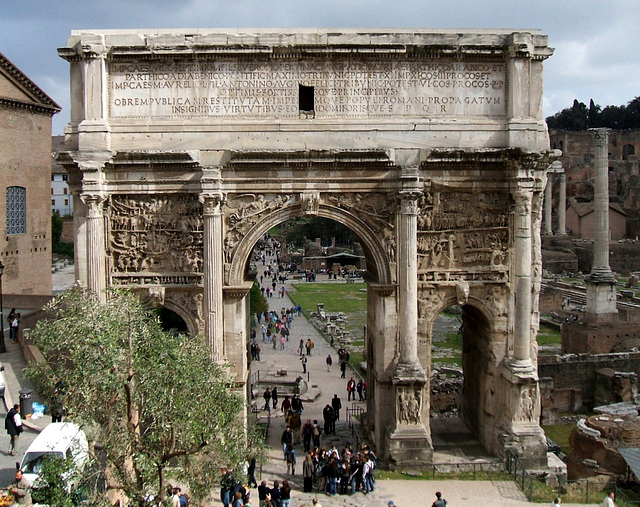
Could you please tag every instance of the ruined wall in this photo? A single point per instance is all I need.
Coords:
(573, 371)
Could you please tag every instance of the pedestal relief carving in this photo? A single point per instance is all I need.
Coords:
(153, 235)
(409, 404)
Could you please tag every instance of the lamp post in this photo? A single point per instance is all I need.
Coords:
(3, 347)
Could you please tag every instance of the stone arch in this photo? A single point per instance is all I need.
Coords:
(184, 314)
(378, 266)
(481, 322)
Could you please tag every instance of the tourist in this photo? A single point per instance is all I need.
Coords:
(15, 324)
(308, 429)
(275, 494)
(286, 405)
(290, 454)
(226, 486)
(274, 397)
(336, 404)
(285, 494)
(301, 347)
(286, 440)
(316, 433)
(307, 473)
(556, 502)
(316, 503)
(263, 492)
(609, 500)
(13, 425)
(267, 399)
(440, 502)
(251, 473)
(391, 504)
(343, 368)
(329, 362)
(309, 346)
(303, 359)
(351, 389)
(360, 389)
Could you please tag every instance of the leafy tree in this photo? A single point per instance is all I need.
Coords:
(157, 404)
(56, 227)
(51, 487)
(257, 302)
(574, 118)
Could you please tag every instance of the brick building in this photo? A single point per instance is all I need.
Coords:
(624, 174)
(25, 174)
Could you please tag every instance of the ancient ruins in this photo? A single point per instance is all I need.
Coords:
(185, 147)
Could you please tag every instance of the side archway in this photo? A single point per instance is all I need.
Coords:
(378, 266)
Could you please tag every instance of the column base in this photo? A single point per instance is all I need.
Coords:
(409, 446)
(529, 443)
(409, 373)
(601, 297)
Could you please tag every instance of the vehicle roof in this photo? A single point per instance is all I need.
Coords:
(56, 437)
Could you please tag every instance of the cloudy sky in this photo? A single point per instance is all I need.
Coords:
(596, 42)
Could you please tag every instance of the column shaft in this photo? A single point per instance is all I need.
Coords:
(408, 278)
(213, 274)
(548, 206)
(96, 255)
(562, 205)
(601, 202)
(523, 306)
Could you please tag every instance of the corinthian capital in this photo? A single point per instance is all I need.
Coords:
(94, 204)
(211, 202)
(600, 136)
(409, 201)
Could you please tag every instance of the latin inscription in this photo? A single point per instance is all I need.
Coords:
(340, 89)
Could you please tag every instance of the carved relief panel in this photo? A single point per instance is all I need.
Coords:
(409, 405)
(155, 240)
(463, 235)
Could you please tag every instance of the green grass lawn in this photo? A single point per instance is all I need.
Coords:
(559, 433)
(548, 336)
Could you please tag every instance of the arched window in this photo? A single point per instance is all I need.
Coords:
(16, 210)
(628, 149)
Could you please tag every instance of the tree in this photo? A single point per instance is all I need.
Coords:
(157, 404)
(56, 227)
(257, 302)
(51, 487)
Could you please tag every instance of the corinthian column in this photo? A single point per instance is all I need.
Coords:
(213, 273)
(96, 255)
(408, 284)
(522, 271)
(548, 208)
(601, 284)
(562, 204)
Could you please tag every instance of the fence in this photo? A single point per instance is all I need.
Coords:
(588, 490)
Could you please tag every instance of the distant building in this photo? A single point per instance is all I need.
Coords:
(581, 220)
(61, 198)
(624, 173)
(25, 172)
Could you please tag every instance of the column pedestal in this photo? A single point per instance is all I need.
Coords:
(409, 442)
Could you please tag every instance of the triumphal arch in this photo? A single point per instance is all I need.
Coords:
(186, 146)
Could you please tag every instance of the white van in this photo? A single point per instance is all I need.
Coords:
(62, 439)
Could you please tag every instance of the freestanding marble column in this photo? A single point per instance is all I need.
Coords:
(213, 273)
(601, 284)
(96, 255)
(548, 206)
(562, 204)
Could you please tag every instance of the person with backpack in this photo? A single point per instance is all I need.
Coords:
(226, 487)
(440, 502)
